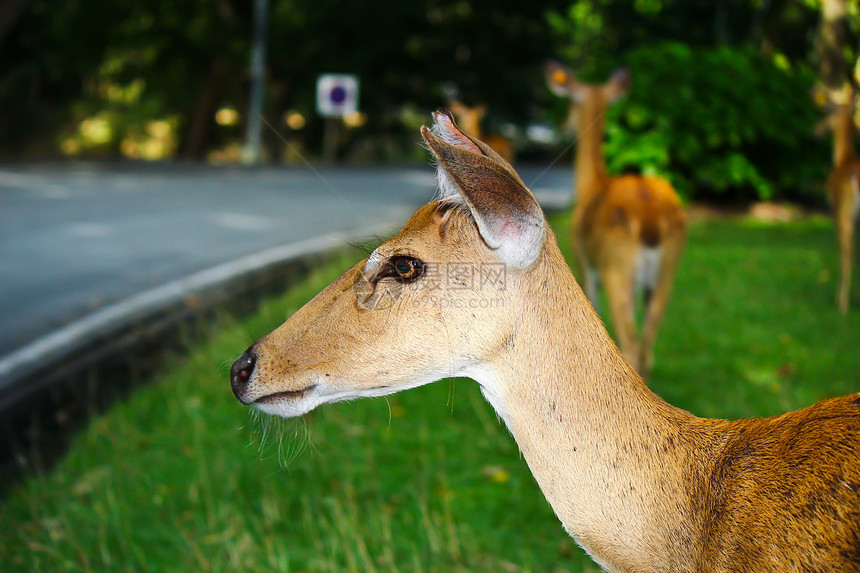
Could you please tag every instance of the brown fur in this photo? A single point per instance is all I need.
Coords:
(642, 486)
(787, 490)
(615, 217)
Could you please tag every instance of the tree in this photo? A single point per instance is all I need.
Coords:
(834, 48)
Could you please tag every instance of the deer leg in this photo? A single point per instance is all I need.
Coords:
(591, 278)
(845, 230)
(656, 306)
(647, 294)
(592, 286)
(618, 282)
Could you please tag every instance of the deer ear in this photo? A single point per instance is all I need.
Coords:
(562, 82)
(618, 85)
(508, 216)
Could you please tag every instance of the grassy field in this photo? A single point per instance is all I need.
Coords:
(181, 477)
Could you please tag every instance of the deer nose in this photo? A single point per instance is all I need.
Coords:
(241, 372)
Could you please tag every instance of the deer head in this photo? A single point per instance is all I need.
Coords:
(436, 300)
(587, 101)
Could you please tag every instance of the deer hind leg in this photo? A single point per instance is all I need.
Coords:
(590, 275)
(655, 305)
(618, 282)
(845, 220)
(592, 286)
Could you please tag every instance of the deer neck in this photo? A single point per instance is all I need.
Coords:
(612, 458)
(590, 165)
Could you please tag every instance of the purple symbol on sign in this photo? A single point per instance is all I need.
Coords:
(337, 95)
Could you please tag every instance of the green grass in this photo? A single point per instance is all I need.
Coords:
(181, 477)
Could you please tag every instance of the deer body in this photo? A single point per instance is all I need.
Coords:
(843, 187)
(640, 484)
(628, 231)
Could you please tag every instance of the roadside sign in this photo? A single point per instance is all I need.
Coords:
(337, 95)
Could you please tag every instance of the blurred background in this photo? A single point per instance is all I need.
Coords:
(720, 100)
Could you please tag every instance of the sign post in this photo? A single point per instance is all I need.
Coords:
(252, 150)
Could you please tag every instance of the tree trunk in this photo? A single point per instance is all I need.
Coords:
(834, 70)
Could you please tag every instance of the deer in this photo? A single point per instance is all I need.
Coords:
(843, 187)
(469, 119)
(640, 484)
(628, 231)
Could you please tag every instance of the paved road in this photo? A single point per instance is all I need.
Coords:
(75, 239)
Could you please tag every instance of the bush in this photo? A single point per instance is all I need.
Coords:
(719, 123)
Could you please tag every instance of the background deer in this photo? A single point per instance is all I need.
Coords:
(641, 485)
(628, 230)
(843, 187)
(469, 119)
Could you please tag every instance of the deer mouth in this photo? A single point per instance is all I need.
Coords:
(286, 395)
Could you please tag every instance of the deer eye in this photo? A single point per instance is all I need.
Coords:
(402, 269)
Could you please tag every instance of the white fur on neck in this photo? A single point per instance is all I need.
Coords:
(491, 388)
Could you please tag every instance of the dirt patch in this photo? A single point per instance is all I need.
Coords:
(761, 211)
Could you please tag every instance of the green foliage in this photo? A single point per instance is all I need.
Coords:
(718, 122)
(590, 32)
(181, 478)
(720, 101)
